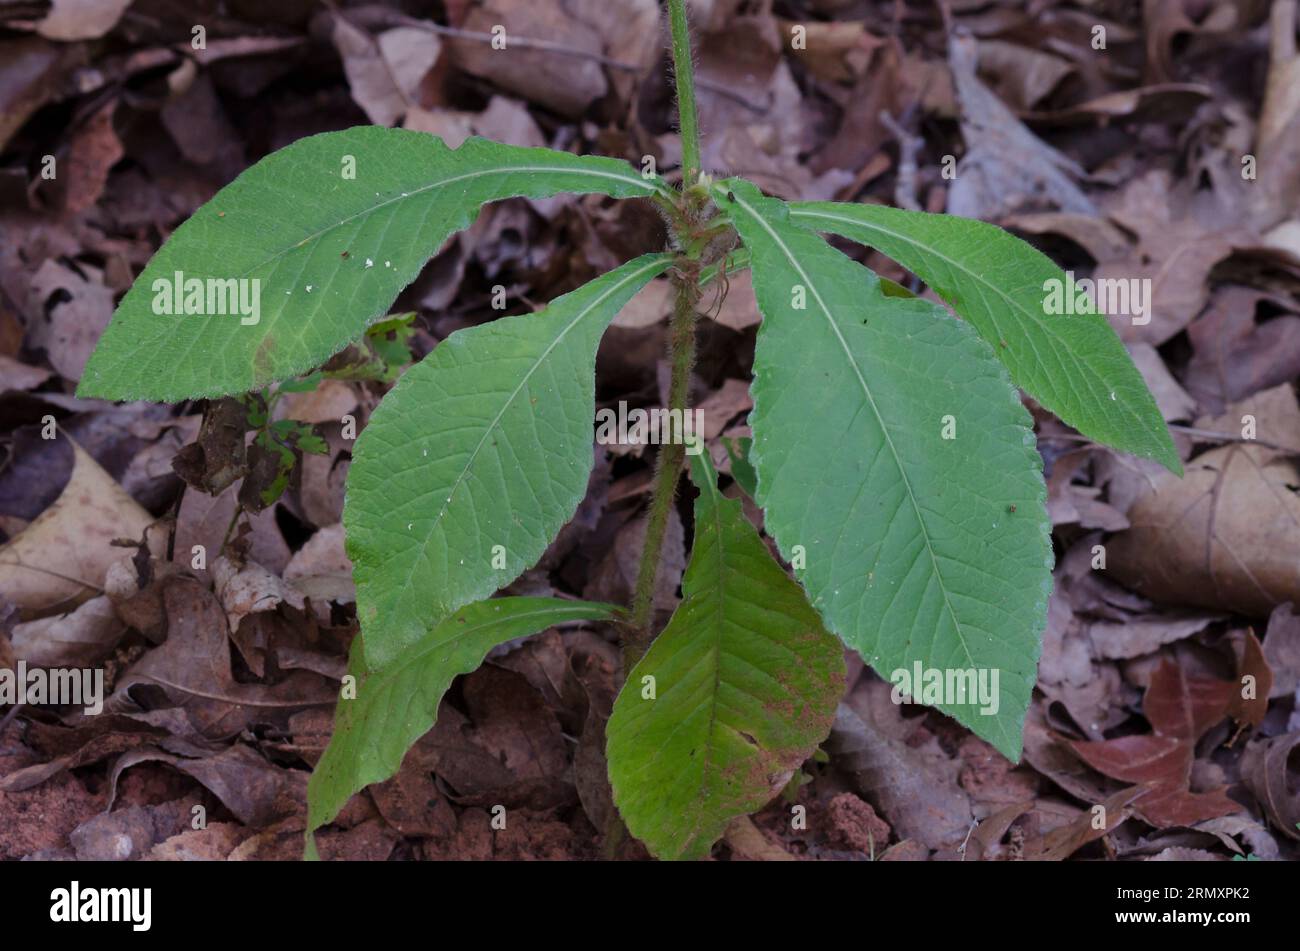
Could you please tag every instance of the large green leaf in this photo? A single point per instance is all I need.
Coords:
(746, 681)
(331, 253)
(1074, 365)
(919, 549)
(476, 459)
(397, 703)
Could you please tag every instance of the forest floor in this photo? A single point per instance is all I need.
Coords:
(1156, 141)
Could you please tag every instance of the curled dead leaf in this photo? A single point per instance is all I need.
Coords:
(1266, 769)
(1227, 535)
(61, 558)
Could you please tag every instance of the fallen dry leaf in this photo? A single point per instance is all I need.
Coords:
(81, 638)
(565, 83)
(1234, 354)
(62, 557)
(248, 589)
(192, 667)
(1006, 168)
(1282, 650)
(1227, 535)
(1266, 771)
(1180, 710)
(1175, 251)
(81, 19)
(79, 307)
(370, 76)
(914, 789)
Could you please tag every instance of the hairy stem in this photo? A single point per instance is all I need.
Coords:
(688, 228)
(668, 466)
(684, 73)
(681, 342)
(668, 469)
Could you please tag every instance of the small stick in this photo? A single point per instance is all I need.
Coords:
(908, 146)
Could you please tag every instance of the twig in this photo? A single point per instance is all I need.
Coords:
(236, 701)
(1229, 437)
(908, 146)
(175, 522)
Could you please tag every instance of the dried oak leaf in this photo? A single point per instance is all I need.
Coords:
(1180, 710)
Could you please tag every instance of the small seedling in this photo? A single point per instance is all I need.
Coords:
(892, 457)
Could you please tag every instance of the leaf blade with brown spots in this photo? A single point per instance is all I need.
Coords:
(746, 685)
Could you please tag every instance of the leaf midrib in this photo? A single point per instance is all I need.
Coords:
(716, 649)
(274, 319)
(500, 170)
(866, 390)
(418, 655)
(384, 677)
(655, 263)
(717, 622)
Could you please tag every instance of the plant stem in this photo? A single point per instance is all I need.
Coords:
(684, 74)
(668, 469)
(688, 230)
(668, 466)
(681, 346)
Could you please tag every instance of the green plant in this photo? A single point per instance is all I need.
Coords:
(892, 457)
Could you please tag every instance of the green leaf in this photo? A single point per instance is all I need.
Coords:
(746, 682)
(306, 385)
(330, 254)
(741, 468)
(479, 454)
(919, 549)
(1076, 366)
(397, 703)
(393, 355)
